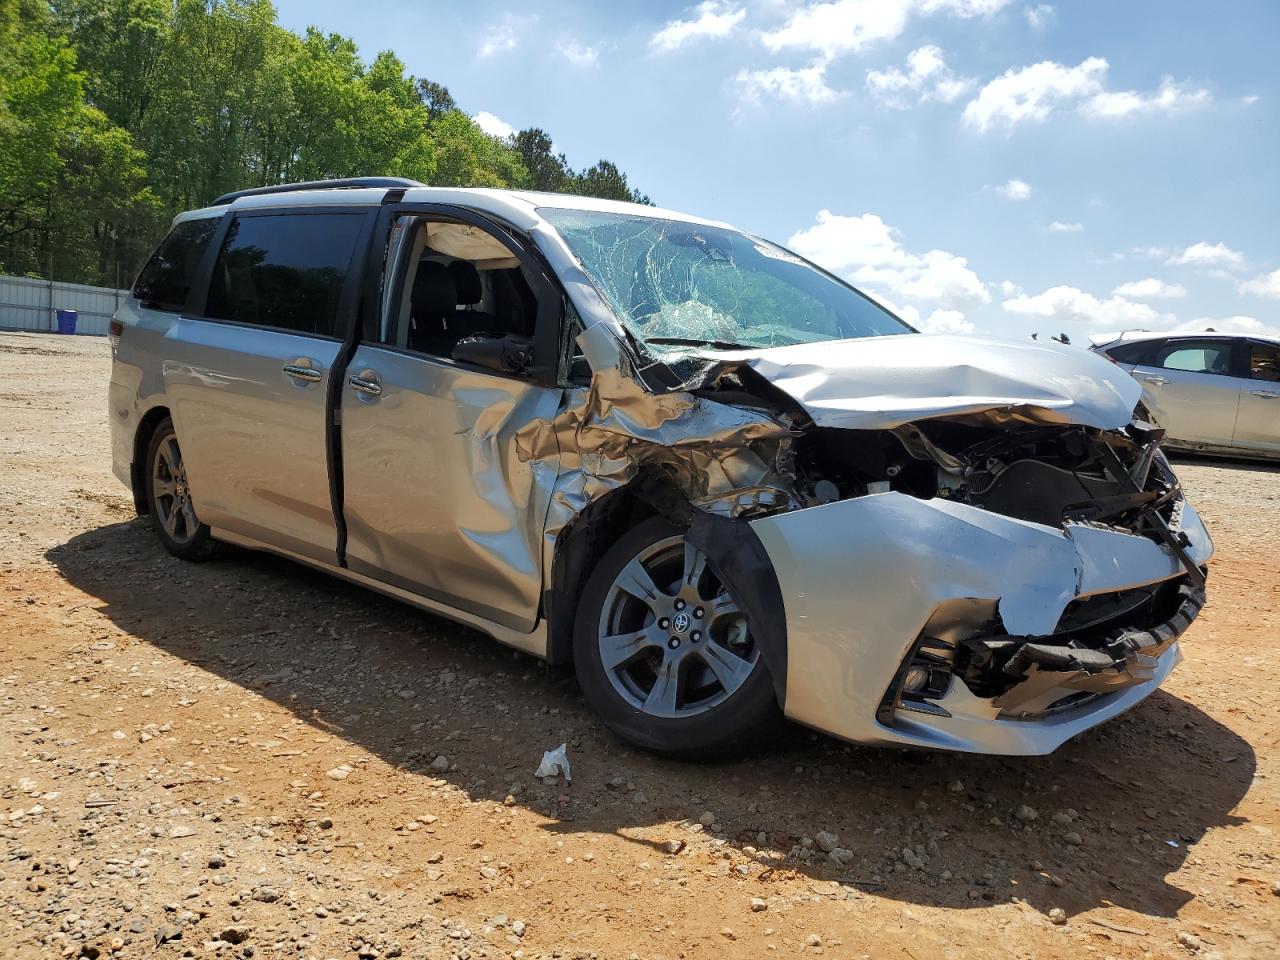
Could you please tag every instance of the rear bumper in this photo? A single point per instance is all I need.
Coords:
(861, 579)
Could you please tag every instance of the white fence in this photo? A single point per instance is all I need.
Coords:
(28, 304)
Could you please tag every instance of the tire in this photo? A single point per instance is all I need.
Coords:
(173, 516)
(684, 676)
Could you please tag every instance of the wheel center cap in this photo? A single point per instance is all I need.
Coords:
(680, 622)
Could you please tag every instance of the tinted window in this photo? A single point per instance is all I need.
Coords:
(1264, 362)
(1132, 352)
(1194, 356)
(284, 271)
(166, 279)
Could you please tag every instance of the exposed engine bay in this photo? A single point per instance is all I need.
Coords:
(1057, 475)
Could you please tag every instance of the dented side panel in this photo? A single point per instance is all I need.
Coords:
(861, 578)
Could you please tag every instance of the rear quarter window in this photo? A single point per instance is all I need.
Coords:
(166, 278)
(1132, 352)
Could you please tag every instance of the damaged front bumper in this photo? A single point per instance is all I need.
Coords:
(868, 580)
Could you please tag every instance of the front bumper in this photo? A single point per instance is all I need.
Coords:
(861, 578)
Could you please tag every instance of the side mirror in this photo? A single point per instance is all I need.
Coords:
(509, 353)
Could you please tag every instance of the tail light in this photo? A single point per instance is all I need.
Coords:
(114, 329)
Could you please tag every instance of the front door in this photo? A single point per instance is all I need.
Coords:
(247, 377)
(442, 495)
(1189, 388)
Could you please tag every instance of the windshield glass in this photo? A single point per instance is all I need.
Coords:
(675, 284)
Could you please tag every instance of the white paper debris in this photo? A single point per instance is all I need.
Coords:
(555, 762)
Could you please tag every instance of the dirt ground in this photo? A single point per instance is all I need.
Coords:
(245, 758)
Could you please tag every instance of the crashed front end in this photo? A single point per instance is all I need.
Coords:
(938, 623)
(991, 578)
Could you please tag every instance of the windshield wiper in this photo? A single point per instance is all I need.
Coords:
(698, 342)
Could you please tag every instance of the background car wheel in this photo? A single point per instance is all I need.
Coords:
(664, 652)
(173, 516)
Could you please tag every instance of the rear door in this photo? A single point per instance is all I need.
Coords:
(444, 493)
(247, 376)
(1258, 424)
(1189, 387)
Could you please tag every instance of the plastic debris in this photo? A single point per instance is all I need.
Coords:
(555, 762)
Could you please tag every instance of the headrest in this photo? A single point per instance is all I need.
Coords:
(466, 280)
(433, 289)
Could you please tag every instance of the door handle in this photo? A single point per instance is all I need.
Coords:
(299, 372)
(367, 383)
(1266, 394)
(1151, 378)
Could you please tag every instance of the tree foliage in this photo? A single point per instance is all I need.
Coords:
(117, 114)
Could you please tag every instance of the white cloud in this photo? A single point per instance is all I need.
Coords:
(1009, 288)
(1072, 305)
(1249, 99)
(867, 251)
(713, 18)
(1041, 16)
(1150, 289)
(1235, 324)
(1032, 93)
(927, 77)
(1014, 189)
(1064, 226)
(1266, 285)
(844, 26)
(579, 54)
(493, 125)
(807, 86)
(504, 36)
(1205, 254)
(939, 321)
(1171, 96)
(946, 321)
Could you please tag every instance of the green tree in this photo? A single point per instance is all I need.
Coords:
(466, 156)
(547, 170)
(605, 180)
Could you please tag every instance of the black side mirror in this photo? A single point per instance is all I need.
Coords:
(509, 353)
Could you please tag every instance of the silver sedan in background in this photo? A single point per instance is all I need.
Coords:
(1212, 392)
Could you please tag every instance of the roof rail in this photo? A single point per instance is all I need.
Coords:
(345, 183)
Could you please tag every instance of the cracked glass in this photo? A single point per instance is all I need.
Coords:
(676, 284)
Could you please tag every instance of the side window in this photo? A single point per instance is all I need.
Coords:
(166, 278)
(1196, 356)
(285, 271)
(1264, 362)
(1133, 352)
(459, 282)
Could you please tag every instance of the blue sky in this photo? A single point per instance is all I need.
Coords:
(1000, 166)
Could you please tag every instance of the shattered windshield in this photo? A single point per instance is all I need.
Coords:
(676, 285)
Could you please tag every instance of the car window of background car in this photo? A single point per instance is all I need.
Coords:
(284, 271)
(1136, 353)
(667, 278)
(166, 278)
(1264, 362)
(1197, 357)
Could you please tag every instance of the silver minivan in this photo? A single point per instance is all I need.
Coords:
(720, 482)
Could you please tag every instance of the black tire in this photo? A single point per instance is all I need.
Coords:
(186, 540)
(741, 722)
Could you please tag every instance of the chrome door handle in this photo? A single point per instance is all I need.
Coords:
(1266, 394)
(299, 372)
(366, 384)
(1153, 379)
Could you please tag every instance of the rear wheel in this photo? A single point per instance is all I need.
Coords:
(664, 652)
(173, 516)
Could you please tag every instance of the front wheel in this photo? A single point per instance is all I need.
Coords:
(173, 516)
(664, 652)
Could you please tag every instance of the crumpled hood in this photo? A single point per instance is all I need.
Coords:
(882, 382)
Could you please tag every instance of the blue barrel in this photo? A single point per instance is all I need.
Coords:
(66, 321)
